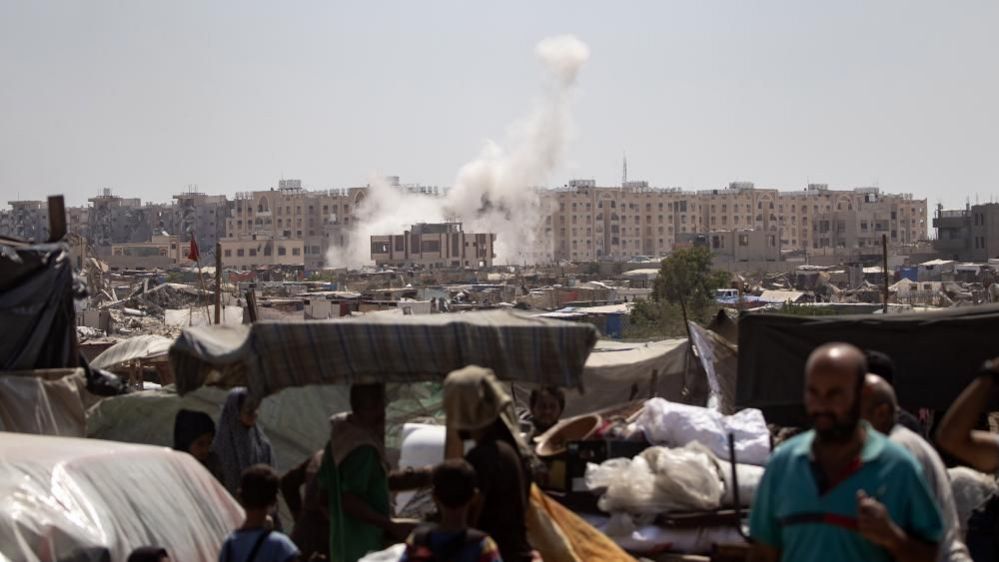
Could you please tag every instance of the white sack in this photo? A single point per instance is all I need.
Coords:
(674, 425)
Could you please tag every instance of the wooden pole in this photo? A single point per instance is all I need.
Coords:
(218, 283)
(884, 269)
(57, 218)
(251, 305)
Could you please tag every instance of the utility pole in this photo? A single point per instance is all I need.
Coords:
(218, 283)
(884, 270)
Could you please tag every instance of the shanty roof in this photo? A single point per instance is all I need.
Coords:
(269, 356)
(140, 347)
(781, 296)
(641, 273)
(932, 263)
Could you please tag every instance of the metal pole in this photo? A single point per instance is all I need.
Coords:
(218, 283)
(884, 269)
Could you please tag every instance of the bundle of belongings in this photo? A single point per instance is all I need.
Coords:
(695, 461)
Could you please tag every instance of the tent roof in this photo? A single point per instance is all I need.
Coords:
(140, 347)
(780, 296)
(66, 494)
(269, 356)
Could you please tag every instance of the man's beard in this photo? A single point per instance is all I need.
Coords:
(841, 430)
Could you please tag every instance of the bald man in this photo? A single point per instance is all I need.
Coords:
(880, 409)
(842, 491)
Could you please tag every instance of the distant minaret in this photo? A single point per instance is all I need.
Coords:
(624, 171)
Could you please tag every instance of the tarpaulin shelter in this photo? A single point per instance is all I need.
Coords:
(618, 372)
(37, 314)
(43, 401)
(267, 357)
(936, 354)
(139, 348)
(37, 318)
(87, 499)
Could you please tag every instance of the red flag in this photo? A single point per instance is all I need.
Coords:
(193, 255)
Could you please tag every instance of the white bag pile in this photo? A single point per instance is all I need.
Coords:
(674, 425)
(659, 480)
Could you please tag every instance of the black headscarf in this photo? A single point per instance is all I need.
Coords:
(188, 426)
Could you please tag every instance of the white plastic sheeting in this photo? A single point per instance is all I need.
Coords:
(46, 402)
(672, 424)
(65, 497)
(140, 347)
(659, 480)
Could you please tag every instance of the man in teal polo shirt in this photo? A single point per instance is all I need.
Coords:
(842, 491)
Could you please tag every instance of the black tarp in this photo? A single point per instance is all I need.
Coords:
(936, 354)
(38, 315)
(37, 319)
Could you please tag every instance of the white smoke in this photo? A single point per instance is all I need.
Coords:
(497, 192)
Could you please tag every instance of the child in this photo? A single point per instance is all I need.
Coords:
(255, 541)
(452, 540)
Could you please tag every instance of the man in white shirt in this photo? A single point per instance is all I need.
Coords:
(880, 409)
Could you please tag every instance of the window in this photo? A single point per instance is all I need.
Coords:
(253, 252)
(282, 251)
(228, 253)
(743, 239)
(239, 252)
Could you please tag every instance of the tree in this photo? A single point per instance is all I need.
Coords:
(686, 278)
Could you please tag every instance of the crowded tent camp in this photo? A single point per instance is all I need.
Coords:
(491, 434)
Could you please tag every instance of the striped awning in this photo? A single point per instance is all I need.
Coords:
(267, 357)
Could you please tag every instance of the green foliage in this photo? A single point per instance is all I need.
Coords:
(686, 276)
(652, 319)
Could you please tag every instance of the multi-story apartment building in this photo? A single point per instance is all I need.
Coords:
(202, 216)
(434, 246)
(28, 220)
(970, 234)
(317, 219)
(593, 223)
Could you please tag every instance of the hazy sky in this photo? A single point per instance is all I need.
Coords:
(147, 97)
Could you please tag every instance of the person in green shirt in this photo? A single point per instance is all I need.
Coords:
(355, 478)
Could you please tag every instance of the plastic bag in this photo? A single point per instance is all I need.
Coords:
(671, 424)
(972, 490)
(659, 480)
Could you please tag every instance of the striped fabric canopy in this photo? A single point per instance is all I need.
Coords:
(267, 357)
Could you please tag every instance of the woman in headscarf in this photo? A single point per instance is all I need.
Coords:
(239, 443)
(478, 408)
(193, 433)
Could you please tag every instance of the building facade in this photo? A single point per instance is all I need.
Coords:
(970, 234)
(618, 223)
(434, 246)
(317, 219)
(162, 251)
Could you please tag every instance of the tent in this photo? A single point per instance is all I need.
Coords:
(139, 348)
(85, 499)
(45, 402)
(616, 373)
(267, 357)
(295, 419)
(936, 354)
(37, 318)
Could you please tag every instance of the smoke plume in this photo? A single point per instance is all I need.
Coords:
(498, 191)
